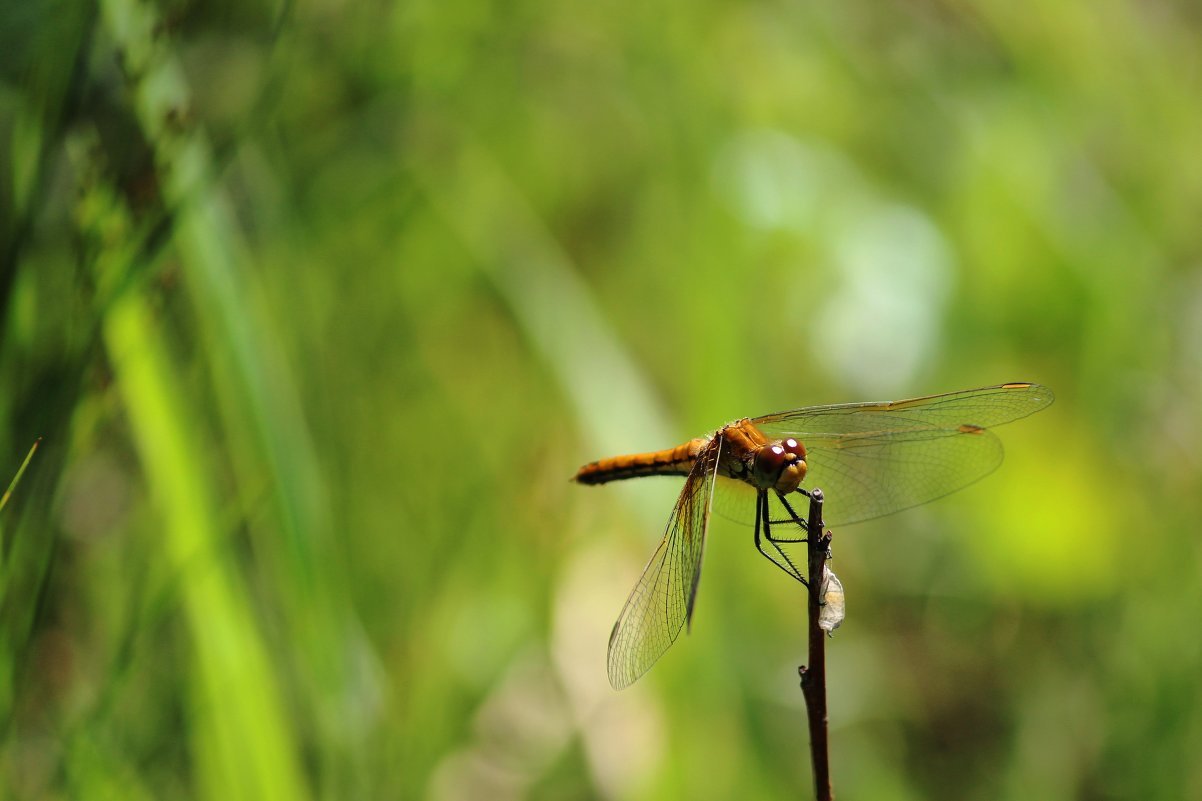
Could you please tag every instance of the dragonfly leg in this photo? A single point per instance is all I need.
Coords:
(793, 514)
(762, 515)
(793, 518)
(805, 526)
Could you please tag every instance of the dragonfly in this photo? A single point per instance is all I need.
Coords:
(870, 459)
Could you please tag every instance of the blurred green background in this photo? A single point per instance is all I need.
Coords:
(318, 306)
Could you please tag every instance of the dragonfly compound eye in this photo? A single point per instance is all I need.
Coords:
(780, 466)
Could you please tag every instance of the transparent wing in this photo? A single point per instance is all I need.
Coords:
(662, 601)
(873, 459)
(984, 407)
(735, 500)
(864, 477)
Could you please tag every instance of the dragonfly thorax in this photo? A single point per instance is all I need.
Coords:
(779, 465)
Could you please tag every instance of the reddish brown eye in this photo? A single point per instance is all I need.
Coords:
(794, 447)
(771, 459)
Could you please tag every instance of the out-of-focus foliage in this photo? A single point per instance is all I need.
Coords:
(318, 306)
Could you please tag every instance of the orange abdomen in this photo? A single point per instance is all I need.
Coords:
(676, 461)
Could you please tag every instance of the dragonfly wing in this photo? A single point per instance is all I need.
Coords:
(982, 408)
(873, 459)
(662, 601)
(735, 500)
(867, 477)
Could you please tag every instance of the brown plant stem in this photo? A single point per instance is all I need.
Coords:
(813, 676)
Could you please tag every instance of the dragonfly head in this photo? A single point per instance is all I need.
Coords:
(780, 465)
